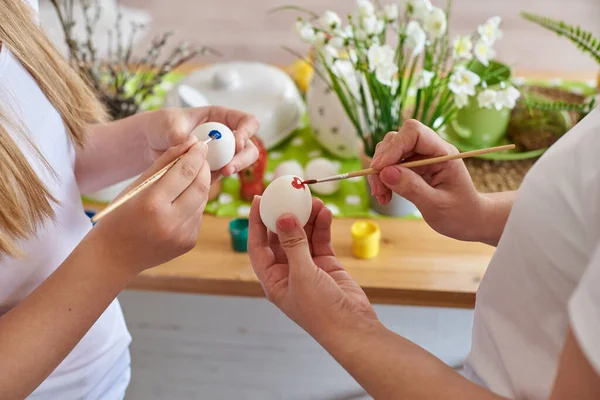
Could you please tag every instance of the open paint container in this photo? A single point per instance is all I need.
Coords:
(366, 238)
(238, 230)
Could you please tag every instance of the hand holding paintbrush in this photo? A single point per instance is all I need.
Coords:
(214, 135)
(411, 164)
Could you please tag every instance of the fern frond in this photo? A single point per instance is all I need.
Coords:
(584, 40)
(582, 108)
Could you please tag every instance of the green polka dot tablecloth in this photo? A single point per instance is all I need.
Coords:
(352, 199)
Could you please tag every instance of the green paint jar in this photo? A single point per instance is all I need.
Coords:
(238, 230)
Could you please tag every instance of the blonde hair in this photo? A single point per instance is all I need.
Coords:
(25, 202)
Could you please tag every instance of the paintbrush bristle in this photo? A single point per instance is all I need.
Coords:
(309, 182)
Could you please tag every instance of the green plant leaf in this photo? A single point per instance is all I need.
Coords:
(559, 105)
(584, 40)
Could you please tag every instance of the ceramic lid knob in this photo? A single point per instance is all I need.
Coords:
(226, 78)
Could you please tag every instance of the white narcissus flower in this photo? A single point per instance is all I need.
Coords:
(507, 98)
(360, 35)
(463, 81)
(419, 8)
(390, 11)
(487, 98)
(320, 39)
(353, 56)
(347, 32)
(415, 37)
(385, 73)
(380, 55)
(372, 25)
(435, 23)
(462, 48)
(330, 21)
(423, 79)
(484, 52)
(337, 42)
(365, 8)
(461, 99)
(490, 30)
(330, 54)
(305, 31)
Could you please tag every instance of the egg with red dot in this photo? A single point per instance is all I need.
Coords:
(222, 148)
(285, 195)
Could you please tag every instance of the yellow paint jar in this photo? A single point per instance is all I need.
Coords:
(366, 238)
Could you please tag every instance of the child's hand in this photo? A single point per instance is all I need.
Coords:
(171, 127)
(163, 221)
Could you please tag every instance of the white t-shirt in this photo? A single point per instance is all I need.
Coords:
(99, 366)
(545, 273)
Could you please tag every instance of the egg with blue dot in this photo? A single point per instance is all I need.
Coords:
(222, 148)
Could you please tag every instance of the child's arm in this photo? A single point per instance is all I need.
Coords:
(121, 149)
(37, 334)
(157, 225)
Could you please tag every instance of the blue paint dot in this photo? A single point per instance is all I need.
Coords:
(90, 214)
(215, 134)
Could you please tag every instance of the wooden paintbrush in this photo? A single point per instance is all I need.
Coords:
(145, 184)
(411, 164)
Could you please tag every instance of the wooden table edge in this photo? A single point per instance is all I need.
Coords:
(253, 289)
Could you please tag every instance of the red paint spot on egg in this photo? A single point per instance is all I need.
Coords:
(297, 183)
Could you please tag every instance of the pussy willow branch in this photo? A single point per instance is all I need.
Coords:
(122, 81)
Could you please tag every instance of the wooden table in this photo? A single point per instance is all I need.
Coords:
(416, 265)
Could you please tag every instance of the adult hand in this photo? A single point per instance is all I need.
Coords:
(300, 274)
(444, 193)
(170, 127)
(163, 221)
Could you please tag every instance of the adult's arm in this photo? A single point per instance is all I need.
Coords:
(493, 219)
(389, 366)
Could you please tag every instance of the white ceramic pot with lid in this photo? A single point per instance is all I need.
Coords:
(260, 89)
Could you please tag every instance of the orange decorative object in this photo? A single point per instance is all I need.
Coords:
(252, 178)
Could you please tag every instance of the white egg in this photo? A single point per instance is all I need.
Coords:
(291, 167)
(285, 195)
(322, 168)
(220, 151)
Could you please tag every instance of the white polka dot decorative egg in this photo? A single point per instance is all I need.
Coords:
(284, 195)
(220, 150)
(331, 126)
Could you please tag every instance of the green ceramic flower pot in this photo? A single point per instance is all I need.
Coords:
(482, 127)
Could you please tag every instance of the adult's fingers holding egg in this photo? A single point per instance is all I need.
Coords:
(261, 255)
(317, 206)
(321, 234)
(275, 244)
